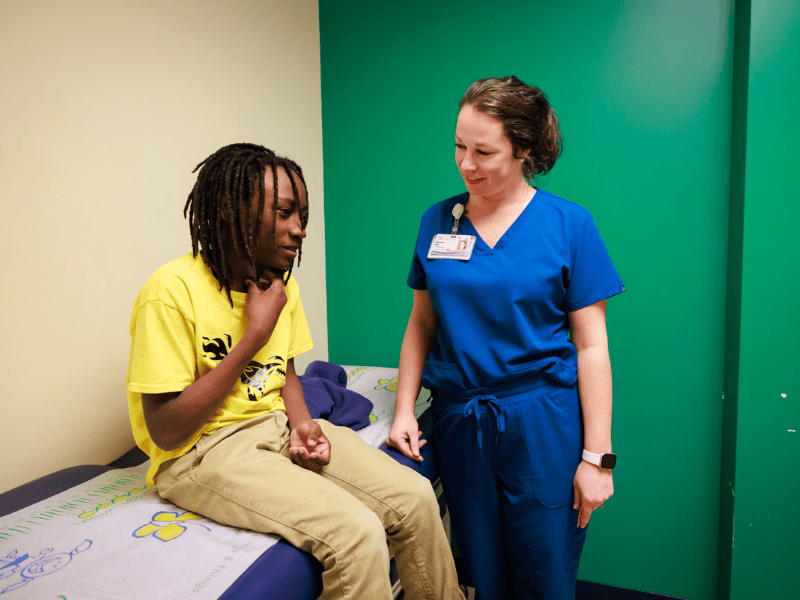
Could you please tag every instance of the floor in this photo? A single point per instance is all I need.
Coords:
(469, 593)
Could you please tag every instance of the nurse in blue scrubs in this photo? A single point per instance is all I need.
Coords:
(508, 330)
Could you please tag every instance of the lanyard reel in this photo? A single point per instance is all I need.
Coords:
(458, 210)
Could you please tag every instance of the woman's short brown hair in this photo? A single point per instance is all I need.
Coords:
(528, 119)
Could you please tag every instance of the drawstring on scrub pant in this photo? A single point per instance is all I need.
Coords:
(475, 406)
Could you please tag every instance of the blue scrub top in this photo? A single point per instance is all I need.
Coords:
(503, 313)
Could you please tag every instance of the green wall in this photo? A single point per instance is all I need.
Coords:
(645, 95)
(766, 536)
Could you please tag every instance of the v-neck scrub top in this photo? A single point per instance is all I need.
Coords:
(503, 313)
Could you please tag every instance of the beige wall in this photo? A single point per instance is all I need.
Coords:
(106, 108)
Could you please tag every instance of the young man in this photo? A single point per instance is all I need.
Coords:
(215, 402)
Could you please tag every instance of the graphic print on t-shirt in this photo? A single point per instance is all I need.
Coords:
(255, 374)
(218, 348)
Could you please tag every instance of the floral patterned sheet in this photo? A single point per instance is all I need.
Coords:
(379, 384)
(114, 537)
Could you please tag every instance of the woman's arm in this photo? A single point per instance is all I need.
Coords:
(593, 485)
(417, 343)
(173, 418)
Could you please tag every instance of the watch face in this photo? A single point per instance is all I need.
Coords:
(608, 461)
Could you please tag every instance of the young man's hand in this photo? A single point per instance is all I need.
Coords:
(264, 306)
(308, 446)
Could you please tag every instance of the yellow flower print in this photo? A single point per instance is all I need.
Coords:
(172, 527)
(354, 371)
(387, 384)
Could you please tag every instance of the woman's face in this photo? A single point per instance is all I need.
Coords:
(485, 157)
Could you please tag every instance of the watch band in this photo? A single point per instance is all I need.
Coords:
(604, 461)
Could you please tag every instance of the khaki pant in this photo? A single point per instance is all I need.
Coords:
(241, 475)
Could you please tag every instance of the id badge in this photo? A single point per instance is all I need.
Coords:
(446, 245)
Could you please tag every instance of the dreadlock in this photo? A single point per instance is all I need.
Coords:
(235, 172)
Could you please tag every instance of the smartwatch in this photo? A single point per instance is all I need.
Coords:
(604, 461)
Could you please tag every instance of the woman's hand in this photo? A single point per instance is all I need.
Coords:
(417, 343)
(404, 436)
(593, 486)
(308, 446)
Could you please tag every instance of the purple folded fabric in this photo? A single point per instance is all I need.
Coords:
(327, 371)
(328, 398)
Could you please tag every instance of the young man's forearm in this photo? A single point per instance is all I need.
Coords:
(174, 418)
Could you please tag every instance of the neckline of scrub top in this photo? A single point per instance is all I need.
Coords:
(508, 234)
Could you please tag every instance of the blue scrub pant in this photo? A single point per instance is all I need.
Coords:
(507, 456)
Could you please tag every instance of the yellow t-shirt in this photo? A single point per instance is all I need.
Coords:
(182, 325)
